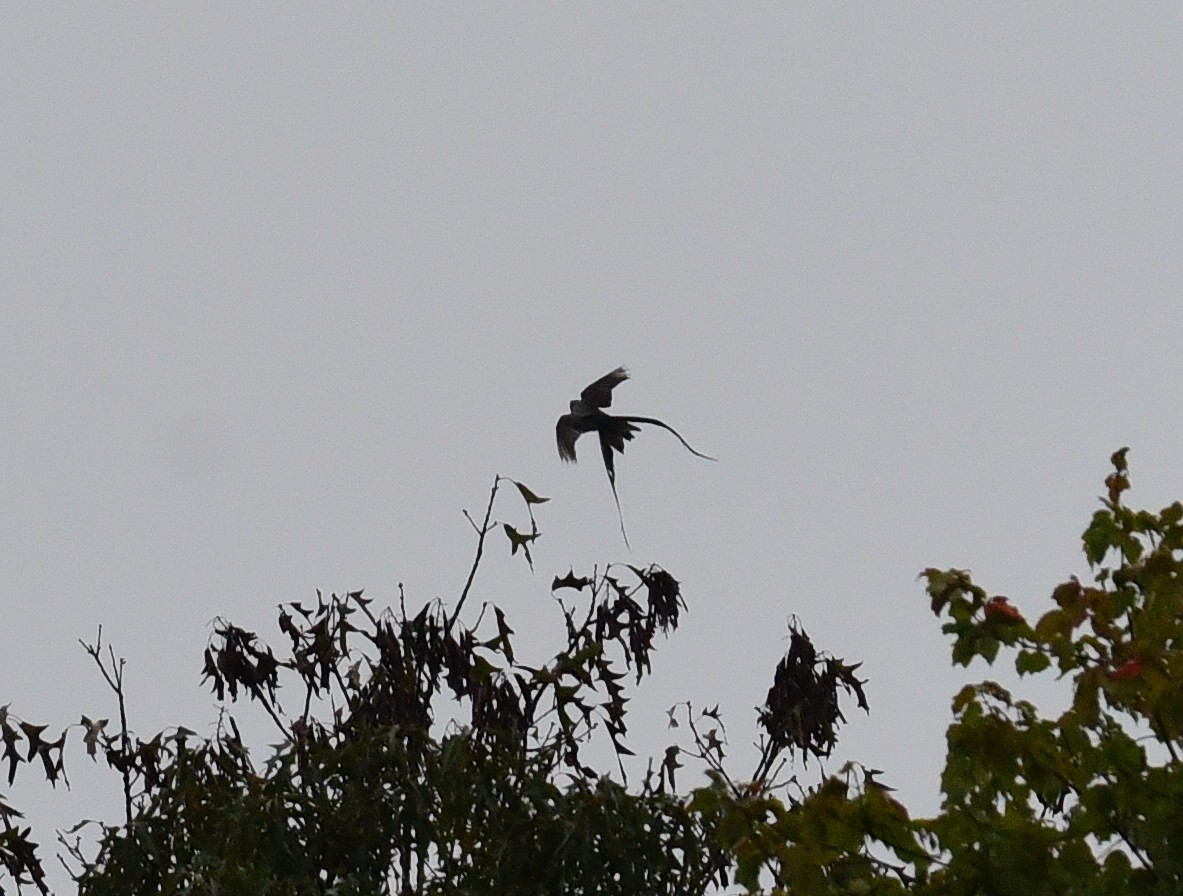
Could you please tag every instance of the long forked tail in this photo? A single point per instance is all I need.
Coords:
(619, 513)
(669, 428)
(607, 439)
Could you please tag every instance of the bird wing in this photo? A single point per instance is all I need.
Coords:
(599, 393)
(565, 435)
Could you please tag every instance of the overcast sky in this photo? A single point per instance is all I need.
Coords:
(282, 291)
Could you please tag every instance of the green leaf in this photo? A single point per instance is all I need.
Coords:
(1101, 535)
(1054, 625)
(1085, 701)
(1029, 662)
(747, 868)
(988, 648)
(1171, 515)
(704, 801)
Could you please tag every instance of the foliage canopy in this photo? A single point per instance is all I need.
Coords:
(417, 753)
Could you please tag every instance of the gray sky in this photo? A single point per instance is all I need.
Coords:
(281, 292)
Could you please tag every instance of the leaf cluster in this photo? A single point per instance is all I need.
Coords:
(1089, 802)
(417, 752)
(423, 752)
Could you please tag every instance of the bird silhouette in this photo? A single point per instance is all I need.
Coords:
(587, 415)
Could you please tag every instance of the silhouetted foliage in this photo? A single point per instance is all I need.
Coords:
(419, 753)
(801, 710)
(416, 754)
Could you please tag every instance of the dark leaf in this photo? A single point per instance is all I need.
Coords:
(527, 495)
(520, 540)
(94, 731)
(570, 580)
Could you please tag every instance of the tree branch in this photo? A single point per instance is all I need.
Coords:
(481, 532)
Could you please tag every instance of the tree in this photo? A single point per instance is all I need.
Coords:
(1091, 801)
(1087, 803)
(419, 754)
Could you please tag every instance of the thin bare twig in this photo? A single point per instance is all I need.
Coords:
(482, 531)
(114, 680)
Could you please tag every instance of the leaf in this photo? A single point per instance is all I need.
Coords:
(1172, 514)
(1028, 662)
(1053, 626)
(527, 495)
(999, 609)
(570, 580)
(1128, 670)
(1084, 701)
(988, 648)
(964, 698)
(33, 734)
(1099, 537)
(503, 633)
(11, 738)
(704, 801)
(93, 731)
(520, 540)
(1116, 483)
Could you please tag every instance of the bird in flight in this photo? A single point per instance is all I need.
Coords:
(587, 415)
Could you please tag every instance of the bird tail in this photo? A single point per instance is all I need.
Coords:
(619, 512)
(669, 428)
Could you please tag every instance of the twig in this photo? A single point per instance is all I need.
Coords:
(481, 532)
(114, 680)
